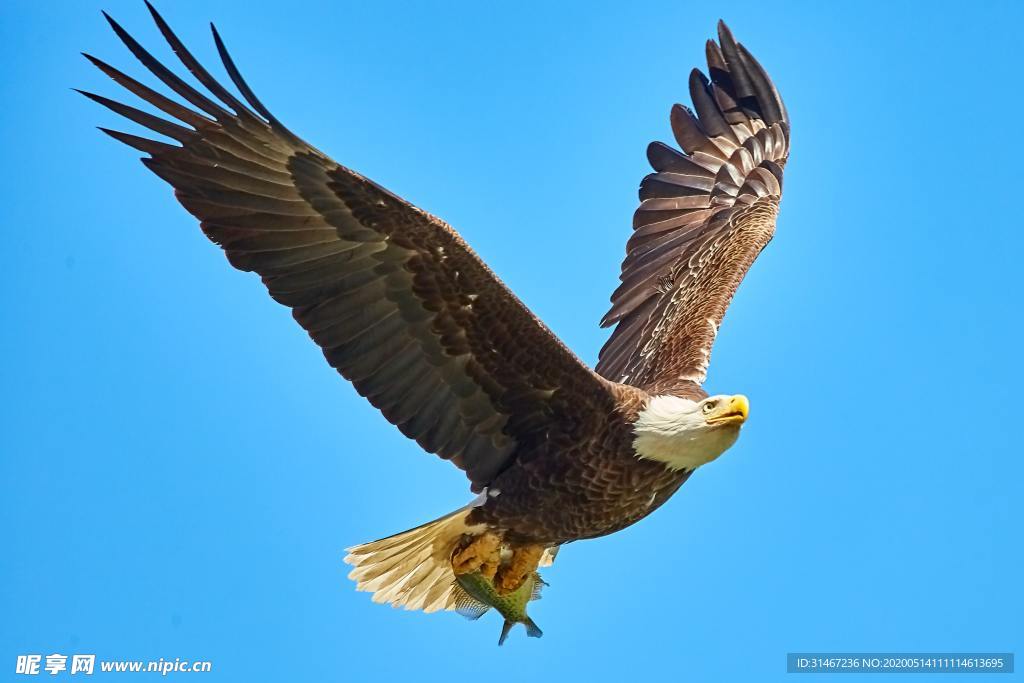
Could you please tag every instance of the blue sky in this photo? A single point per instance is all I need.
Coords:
(181, 470)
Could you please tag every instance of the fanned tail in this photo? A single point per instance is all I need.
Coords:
(412, 569)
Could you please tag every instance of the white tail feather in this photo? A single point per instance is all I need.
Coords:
(412, 569)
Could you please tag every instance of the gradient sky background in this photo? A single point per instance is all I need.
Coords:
(181, 470)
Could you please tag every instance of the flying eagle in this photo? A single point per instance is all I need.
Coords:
(405, 310)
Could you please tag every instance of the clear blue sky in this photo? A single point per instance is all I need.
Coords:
(181, 470)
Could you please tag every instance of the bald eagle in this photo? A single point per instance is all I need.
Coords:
(405, 310)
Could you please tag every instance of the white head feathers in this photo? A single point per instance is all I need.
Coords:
(676, 431)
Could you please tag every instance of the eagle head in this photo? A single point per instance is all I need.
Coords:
(686, 434)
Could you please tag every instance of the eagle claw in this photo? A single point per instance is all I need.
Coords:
(525, 559)
(482, 553)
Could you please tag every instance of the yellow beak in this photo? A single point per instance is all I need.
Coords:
(735, 410)
(740, 405)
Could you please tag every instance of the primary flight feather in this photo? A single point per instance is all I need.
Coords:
(406, 311)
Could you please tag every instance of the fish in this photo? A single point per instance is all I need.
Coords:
(479, 594)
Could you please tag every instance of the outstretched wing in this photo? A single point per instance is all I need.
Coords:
(398, 302)
(704, 216)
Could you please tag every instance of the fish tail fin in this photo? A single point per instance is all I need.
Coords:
(412, 569)
(532, 630)
(505, 629)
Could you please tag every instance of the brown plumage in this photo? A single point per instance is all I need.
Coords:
(403, 308)
(704, 216)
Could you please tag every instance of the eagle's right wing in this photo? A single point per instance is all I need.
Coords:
(704, 216)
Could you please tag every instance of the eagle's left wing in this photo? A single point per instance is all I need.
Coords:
(704, 216)
(397, 301)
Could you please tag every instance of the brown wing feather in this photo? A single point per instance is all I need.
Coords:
(400, 305)
(704, 216)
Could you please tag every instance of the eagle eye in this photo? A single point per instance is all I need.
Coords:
(709, 406)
